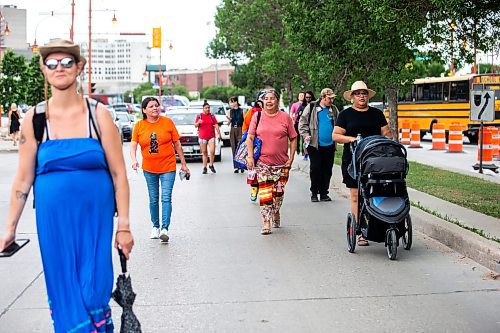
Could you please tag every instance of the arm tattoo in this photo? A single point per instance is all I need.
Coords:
(21, 196)
(22, 139)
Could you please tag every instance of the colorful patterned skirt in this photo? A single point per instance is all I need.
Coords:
(272, 181)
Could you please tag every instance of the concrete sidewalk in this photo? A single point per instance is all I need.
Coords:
(468, 243)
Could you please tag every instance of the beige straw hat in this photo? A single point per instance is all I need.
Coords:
(358, 85)
(61, 45)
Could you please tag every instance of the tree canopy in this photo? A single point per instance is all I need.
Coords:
(332, 43)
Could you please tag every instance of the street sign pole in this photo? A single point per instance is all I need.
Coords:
(481, 138)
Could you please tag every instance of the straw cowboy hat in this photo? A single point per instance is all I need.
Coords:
(64, 46)
(358, 85)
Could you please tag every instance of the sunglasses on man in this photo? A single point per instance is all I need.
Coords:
(52, 63)
(360, 93)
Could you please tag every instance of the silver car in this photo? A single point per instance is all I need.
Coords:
(220, 112)
(184, 122)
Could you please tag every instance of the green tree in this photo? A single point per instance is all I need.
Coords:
(13, 78)
(256, 34)
(35, 82)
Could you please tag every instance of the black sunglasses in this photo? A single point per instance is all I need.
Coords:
(52, 63)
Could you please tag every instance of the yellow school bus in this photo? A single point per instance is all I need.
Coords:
(446, 100)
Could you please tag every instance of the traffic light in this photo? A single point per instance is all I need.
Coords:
(157, 38)
(92, 90)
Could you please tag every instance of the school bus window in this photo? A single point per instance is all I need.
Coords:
(492, 87)
(436, 92)
(446, 90)
(459, 91)
(477, 87)
(420, 92)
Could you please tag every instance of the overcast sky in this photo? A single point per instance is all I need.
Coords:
(188, 24)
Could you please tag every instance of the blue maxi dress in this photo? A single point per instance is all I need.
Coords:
(74, 199)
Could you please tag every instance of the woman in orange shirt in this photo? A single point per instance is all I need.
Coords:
(257, 106)
(159, 140)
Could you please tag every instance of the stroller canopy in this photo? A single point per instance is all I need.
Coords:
(377, 154)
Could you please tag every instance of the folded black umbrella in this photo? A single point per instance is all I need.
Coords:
(125, 297)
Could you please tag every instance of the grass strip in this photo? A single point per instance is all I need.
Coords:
(466, 191)
(445, 217)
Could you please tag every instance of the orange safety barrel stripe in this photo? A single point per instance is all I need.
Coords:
(455, 138)
(415, 135)
(487, 146)
(438, 137)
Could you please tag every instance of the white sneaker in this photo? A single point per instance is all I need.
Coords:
(164, 235)
(155, 233)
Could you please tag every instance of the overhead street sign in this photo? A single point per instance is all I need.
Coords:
(482, 105)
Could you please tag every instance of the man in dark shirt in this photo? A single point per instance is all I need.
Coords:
(236, 122)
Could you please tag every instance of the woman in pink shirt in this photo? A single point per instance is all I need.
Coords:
(207, 125)
(276, 131)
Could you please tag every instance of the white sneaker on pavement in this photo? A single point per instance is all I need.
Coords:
(164, 235)
(155, 233)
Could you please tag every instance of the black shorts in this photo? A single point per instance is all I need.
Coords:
(346, 178)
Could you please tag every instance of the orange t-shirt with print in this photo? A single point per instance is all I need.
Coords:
(157, 144)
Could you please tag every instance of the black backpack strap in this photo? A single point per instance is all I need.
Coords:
(92, 106)
(39, 126)
(39, 122)
(258, 121)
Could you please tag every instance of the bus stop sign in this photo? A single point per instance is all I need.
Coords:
(482, 105)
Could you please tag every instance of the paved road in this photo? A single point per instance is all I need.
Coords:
(458, 162)
(218, 274)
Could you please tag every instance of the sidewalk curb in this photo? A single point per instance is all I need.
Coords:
(465, 242)
(479, 249)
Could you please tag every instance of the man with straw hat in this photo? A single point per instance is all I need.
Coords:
(74, 219)
(359, 119)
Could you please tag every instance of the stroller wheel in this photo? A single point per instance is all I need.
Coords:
(391, 243)
(407, 235)
(351, 233)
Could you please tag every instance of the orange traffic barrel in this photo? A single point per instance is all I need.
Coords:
(487, 139)
(495, 142)
(438, 137)
(455, 138)
(405, 132)
(415, 135)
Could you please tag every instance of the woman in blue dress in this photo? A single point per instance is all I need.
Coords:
(78, 173)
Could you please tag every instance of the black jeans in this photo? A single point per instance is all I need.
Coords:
(300, 148)
(320, 168)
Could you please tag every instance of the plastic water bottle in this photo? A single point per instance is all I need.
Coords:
(306, 144)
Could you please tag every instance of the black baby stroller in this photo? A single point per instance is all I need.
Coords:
(380, 167)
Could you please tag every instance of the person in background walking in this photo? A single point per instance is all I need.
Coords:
(78, 180)
(236, 121)
(316, 127)
(14, 116)
(257, 107)
(207, 125)
(362, 119)
(279, 138)
(159, 141)
(295, 116)
(308, 98)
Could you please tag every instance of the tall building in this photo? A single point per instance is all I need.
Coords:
(16, 19)
(117, 66)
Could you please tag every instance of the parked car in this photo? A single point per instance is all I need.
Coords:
(171, 101)
(184, 121)
(122, 107)
(126, 125)
(112, 113)
(220, 112)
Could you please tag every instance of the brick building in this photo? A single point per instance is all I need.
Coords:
(195, 80)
